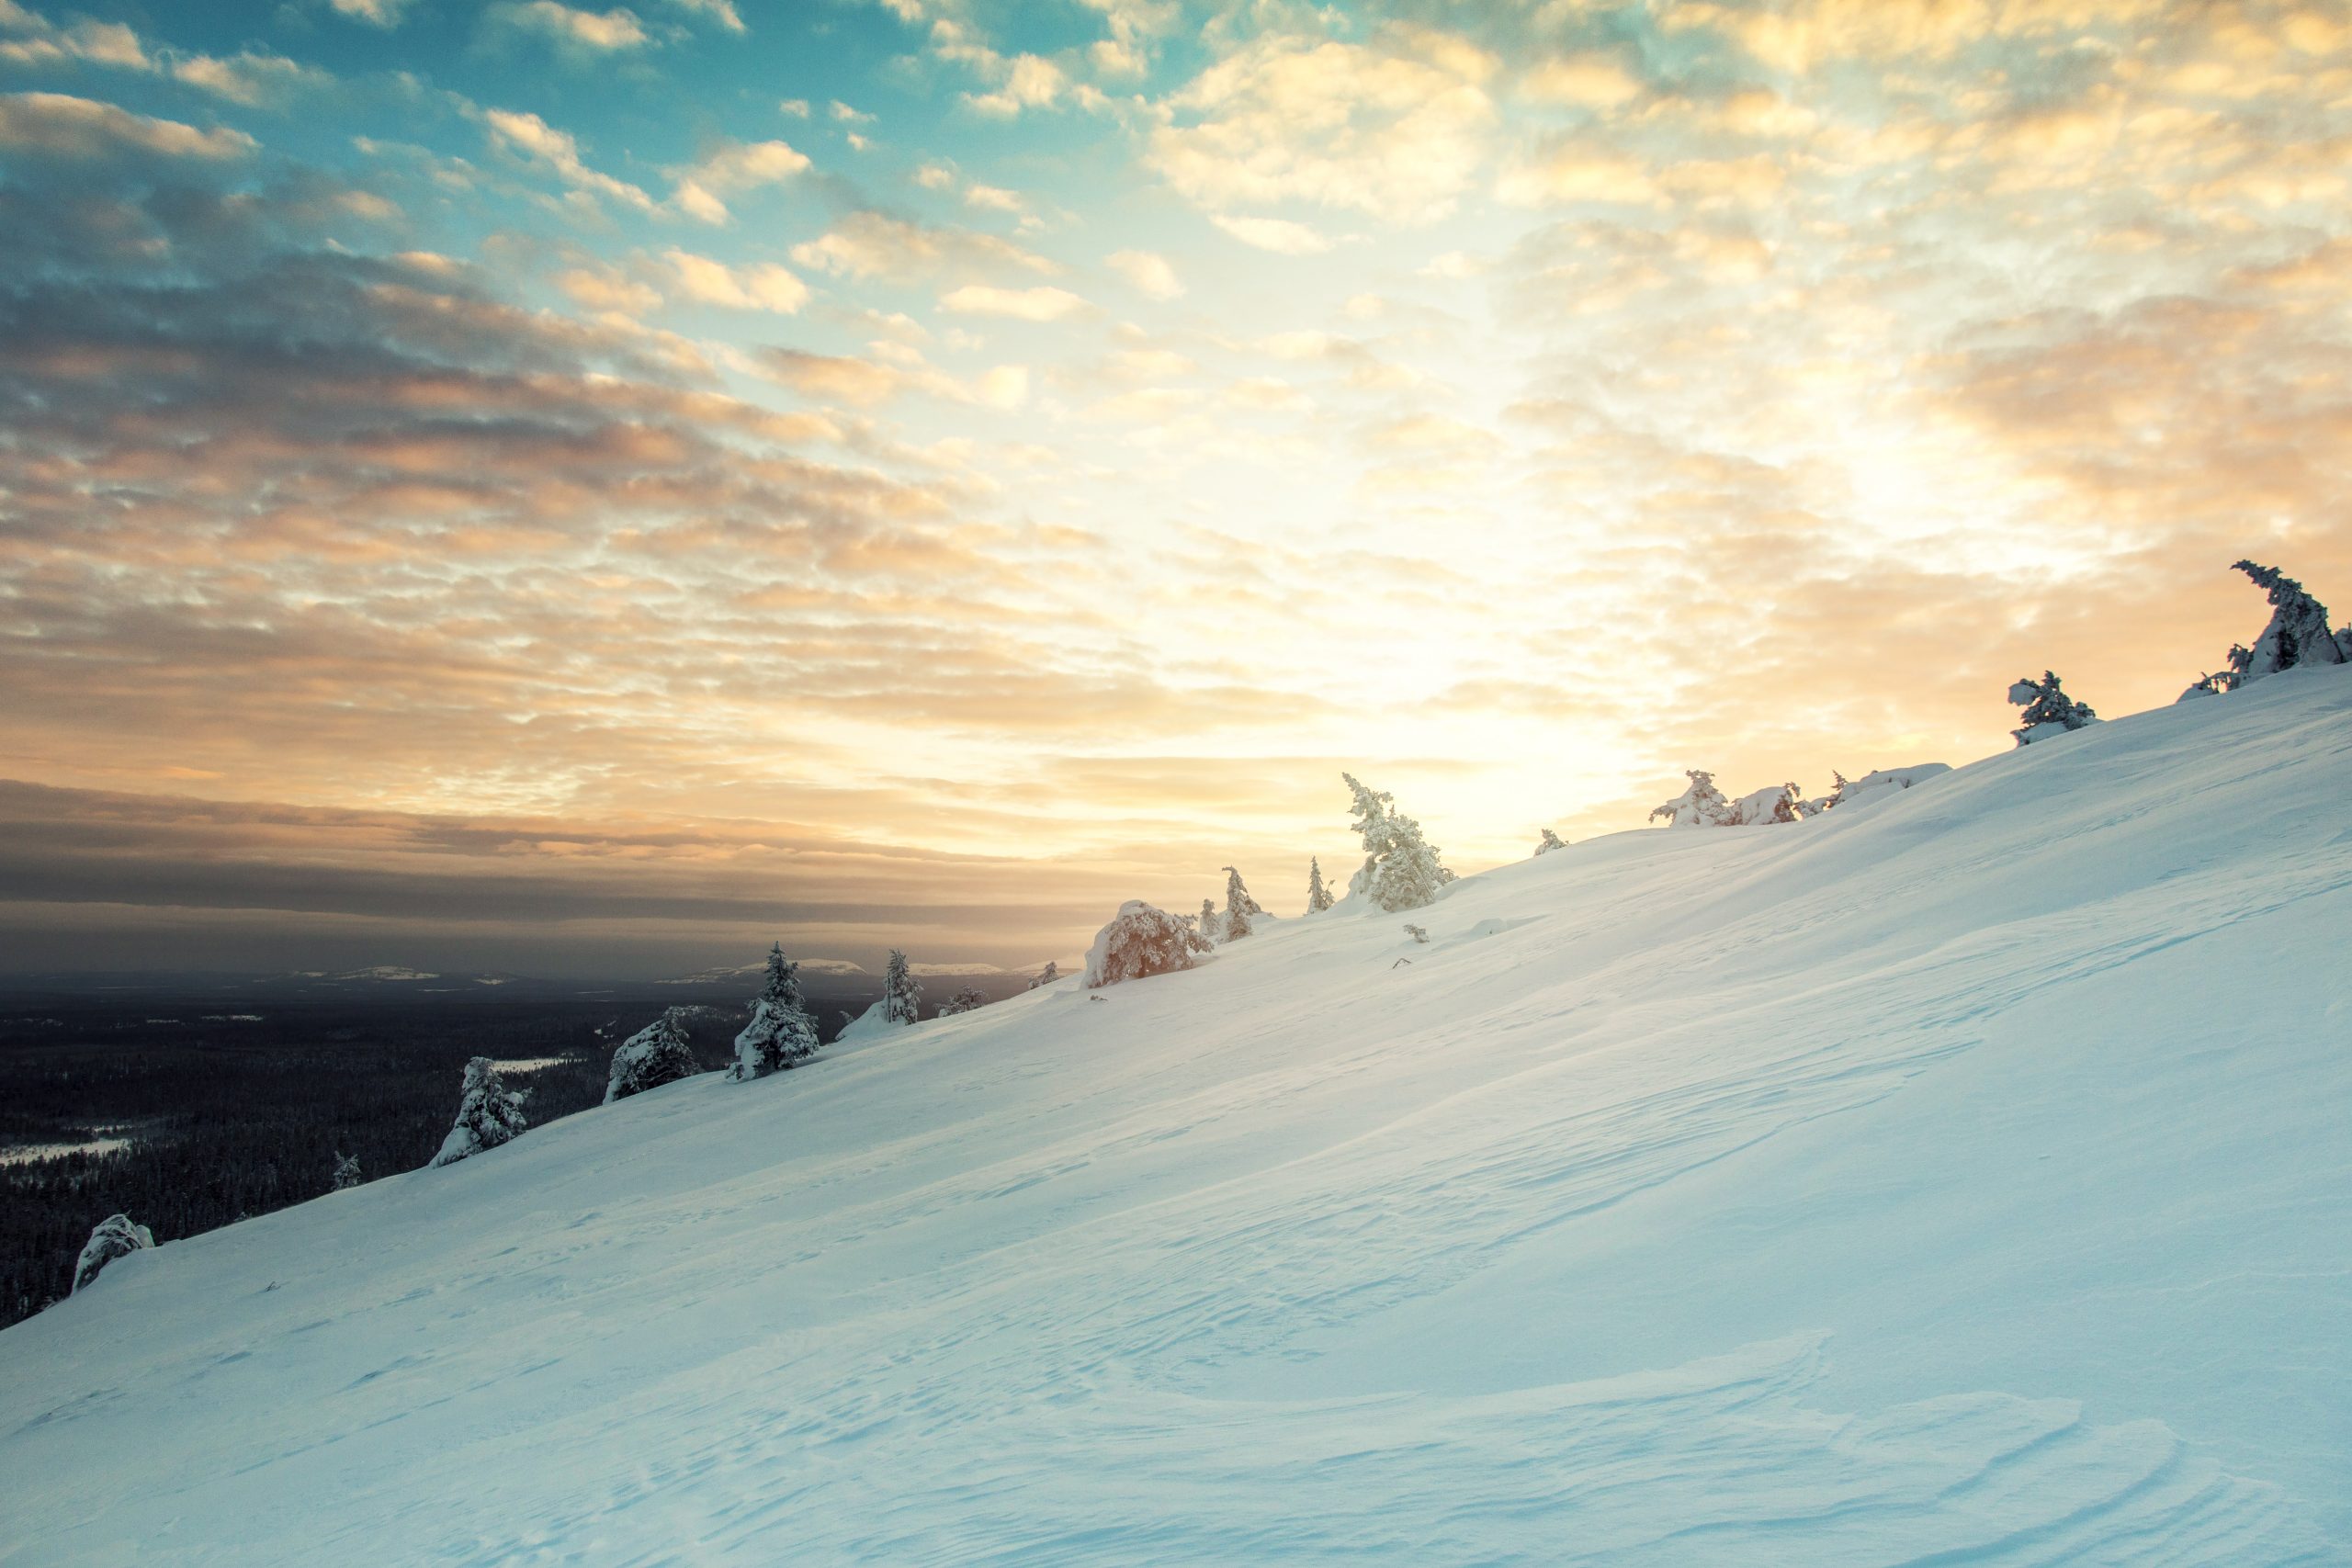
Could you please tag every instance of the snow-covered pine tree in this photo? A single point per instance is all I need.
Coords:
(347, 1171)
(1702, 804)
(902, 992)
(2297, 634)
(1238, 906)
(968, 999)
(654, 1055)
(1048, 976)
(1401, 868)
(781, 1033)
(1549, 842)
(2048, 710)
(1237, 897)
(489, 1114)
(1318, 897)
(1140, 940)
(1368, 815)
(1211, 926)
(112, 1237)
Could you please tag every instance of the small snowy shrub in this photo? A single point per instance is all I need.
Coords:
(113, 1236)
(489, 1114)
(2048, 710)
(1416, 933)
(346, 1172)
(1139, 941)
(1778, 803)
(654, 1055)
(1699, 805)
(1549, 842)
(1401, 868)
(781, 1033)
(1318, 897)
(970, 998)
(1048, 976)
(902, 992)
(1876, 785)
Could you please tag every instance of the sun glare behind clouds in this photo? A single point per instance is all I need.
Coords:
(568, 488)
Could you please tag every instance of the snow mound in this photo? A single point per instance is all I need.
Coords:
(1884, 782)
(1870, 1192)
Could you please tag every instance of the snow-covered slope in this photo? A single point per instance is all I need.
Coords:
(1967, 1179)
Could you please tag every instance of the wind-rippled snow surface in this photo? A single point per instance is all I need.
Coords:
(1966, 1179)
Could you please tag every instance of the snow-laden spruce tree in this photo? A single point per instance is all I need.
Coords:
(1238, 906)
(346, 1172)
(1237, 897)
(1139, 941)
(1401, 868)
(1549, 842)
(2297, 634)
(781, 1033)
(1211, 925)
(2048, 710)
(1048, 976)
(902, 992)
(1699, 805)
(1318, 897)
(654, 1055)
(489, 1114)
(112, 1237)
(968, 999)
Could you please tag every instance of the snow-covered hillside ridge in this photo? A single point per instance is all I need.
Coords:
(1967, 1175)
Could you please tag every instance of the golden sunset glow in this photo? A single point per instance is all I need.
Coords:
(596, 488)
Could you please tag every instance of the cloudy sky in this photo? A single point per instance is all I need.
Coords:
(586, 490)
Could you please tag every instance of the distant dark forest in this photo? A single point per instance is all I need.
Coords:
(230, 1116)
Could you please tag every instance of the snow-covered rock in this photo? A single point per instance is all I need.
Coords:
(1963, 1180)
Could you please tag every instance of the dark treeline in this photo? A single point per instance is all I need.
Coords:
(228, 1118)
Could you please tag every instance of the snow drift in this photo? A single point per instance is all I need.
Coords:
(1965, 1179)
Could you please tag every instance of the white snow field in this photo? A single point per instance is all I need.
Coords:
(1964, 1180)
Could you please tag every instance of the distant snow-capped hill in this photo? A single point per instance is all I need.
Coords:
(722, 974)
(1964, 1180)
(370, 972)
